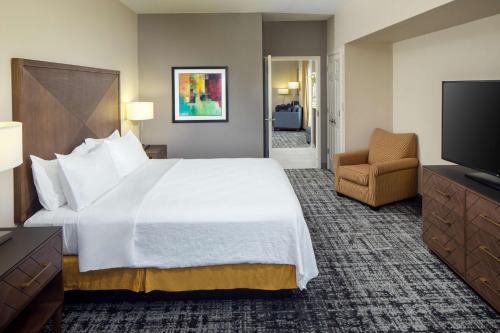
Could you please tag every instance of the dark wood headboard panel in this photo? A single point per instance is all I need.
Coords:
(59, 106)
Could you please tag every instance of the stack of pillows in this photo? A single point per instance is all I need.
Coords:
(91, 170)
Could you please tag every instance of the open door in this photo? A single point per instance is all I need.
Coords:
(268, 104)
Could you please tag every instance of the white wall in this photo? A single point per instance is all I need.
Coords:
(466, 52)
(92, 33)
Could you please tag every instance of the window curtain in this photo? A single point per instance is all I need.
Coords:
(304, 88)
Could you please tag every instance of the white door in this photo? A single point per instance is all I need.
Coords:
(337, 117)
(330, 111)
(269, 118)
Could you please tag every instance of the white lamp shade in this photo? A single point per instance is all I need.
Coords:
(283, 91)
(293, 85)
(140, 110)
(11, 145)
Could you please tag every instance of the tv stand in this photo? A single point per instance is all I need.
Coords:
(484, 178)
(461, 225)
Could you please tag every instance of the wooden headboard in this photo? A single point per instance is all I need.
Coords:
(59, 106)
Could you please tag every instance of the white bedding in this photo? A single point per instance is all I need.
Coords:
(186, 213)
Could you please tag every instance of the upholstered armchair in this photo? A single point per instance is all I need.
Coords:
(385, 172)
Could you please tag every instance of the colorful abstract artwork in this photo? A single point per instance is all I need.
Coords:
(199, 94)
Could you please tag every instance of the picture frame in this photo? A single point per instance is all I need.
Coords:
(200, 94)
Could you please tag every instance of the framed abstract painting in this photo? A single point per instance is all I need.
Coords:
(199, 94)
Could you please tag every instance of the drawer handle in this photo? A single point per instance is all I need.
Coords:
(488, 252)
(488, 285)
(444, 194)
(443, 247)
(489, 219)
(30, 282)
(441, 219)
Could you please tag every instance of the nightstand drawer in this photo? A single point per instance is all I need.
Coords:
(31, 289)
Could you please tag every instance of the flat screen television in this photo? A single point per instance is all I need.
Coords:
(471, 128)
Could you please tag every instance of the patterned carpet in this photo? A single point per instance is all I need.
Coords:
(289, 139)
(375, 276)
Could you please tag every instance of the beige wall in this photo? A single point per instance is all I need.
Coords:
(358, 18)
(330, 35)
(466, 52)
(82, 32)
(368, 91)
(284, 72)
(233, 40)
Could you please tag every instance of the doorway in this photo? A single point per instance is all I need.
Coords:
(292, 115)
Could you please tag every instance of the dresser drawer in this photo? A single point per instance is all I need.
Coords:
(483, 279)
(446, 219)
(483, 214)
(444, 191)
(484, 247)
(444, 246)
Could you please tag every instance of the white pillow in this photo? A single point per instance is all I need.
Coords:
(85, 178)
(47, 184)
(81, 149)
(127, 153)
(91, 143)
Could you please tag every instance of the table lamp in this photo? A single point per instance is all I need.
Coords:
(140, 111)
(293, 86)
(11, 154)
(11, 145)
(284, 92)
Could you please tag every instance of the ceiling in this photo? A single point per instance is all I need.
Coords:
(272, 10)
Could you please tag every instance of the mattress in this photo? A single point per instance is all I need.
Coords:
(63, 217)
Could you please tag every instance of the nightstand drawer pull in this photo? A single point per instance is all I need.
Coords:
(488, 285)
(438, 243)
(488, 252)
(30, 282)
(444, 194)
(489, 219)
(441, 219)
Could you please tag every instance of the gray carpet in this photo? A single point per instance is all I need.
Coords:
(289, 139)
(375, 276)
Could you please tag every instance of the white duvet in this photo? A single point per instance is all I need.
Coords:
(185, 213)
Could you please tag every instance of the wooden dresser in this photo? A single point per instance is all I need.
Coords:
(31, 284)
(461, 224)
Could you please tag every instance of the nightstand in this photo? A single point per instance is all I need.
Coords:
(31, 283)
(156, 151)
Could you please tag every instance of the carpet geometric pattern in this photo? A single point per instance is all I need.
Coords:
(375, 275)
(290, 139)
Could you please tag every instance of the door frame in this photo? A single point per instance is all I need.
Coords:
(317, 60)
(339, 131)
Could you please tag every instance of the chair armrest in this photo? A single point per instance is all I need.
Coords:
(391, 166)
(351, 158)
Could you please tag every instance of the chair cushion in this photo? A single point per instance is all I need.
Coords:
(386, 146)
(355, 173)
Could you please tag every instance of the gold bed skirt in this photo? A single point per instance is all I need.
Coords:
(239, 276)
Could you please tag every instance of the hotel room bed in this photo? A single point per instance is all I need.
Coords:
(171, 225)
(169, 214)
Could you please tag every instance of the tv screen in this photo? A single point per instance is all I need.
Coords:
(471, 124)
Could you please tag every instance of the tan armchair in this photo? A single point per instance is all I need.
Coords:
(384, 173)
